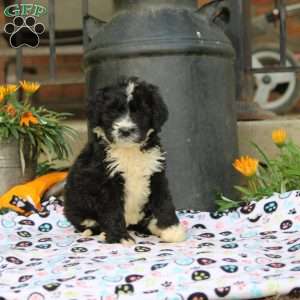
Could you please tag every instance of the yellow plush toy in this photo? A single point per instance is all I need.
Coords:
(26, 198)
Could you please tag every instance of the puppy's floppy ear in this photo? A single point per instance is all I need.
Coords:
(94, 108)
(159, 108)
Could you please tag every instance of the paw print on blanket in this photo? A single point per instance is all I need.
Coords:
(229, 268)
(124, 289)
(14, 260)
(50, 287)
(294, 248)
(200, 275)
(285, 225)
(45, 227)
(223, 291)
(24, 234)
(158, 266)
(247, 209)
(133, 278)
(270, 207)
(23, 244)
(21, 27)
(198, 296)
(205, 261)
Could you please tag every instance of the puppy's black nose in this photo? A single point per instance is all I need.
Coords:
(126, 132)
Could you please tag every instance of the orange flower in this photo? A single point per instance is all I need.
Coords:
(1, 96)
(28, 118)
(246, 165)
(10, 109)
(279, 137)
(29, 87)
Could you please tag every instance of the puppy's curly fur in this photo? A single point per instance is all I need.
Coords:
(118, 182)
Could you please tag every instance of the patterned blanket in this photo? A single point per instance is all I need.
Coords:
(249, 253)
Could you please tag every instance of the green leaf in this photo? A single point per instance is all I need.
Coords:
(262, 153)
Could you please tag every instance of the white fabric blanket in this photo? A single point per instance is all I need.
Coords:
(251, 253)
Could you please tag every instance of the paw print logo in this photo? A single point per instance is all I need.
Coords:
(24, 32)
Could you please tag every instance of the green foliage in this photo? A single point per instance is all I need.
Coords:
(42, 127)
(277, 175)
(48, 166)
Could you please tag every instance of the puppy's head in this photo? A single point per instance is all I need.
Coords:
(128, 111)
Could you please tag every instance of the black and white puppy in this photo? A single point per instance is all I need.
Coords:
(118, 182)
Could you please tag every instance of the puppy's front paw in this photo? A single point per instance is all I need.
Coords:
(102, 237)
(173, 234)
(87, 232)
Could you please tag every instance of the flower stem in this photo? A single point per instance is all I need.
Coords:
(27, 99)
(252, 184)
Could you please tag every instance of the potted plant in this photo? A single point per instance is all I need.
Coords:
(266, 176)
(26, 132)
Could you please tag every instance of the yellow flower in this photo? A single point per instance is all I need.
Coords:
(1, 96)
(279, 137)
(8, 89)
(28, 118)
(246, 165)
(29, 87)
(10, 109)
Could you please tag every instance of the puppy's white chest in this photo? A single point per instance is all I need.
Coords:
(136, 168)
